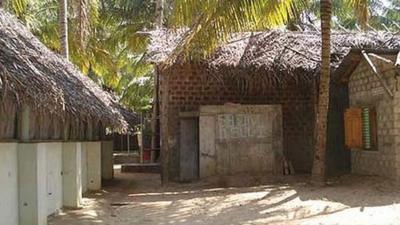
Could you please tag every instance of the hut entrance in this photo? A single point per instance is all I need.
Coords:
(189, 150)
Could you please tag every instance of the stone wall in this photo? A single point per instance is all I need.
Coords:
(191, 86)
(365, 89)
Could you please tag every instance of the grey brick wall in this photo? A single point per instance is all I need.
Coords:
(365, 89)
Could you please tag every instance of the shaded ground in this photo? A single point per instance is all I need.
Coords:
(138, 199)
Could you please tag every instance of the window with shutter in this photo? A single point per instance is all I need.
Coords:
(360, 128)
(353, 128)
(369, 128)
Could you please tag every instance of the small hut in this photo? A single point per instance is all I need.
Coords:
(127, 144)
(53, 125)
(372, 120)
(250, 106)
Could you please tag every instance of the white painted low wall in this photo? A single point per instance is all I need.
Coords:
(32, 178)
(84, 168)
(8, 184)
(107, 160)
(93, 151)
(40, 181)
(53, 177)
(72, 179)
(32, 184)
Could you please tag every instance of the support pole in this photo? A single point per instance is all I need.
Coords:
(127, 140)
(141, 138)
(155, 142)
(122, 143)
(381, 58)
(377, 74)
(397, 64)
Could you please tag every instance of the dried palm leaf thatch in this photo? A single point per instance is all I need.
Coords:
(36, 76)
(131, 117)
(270, 58)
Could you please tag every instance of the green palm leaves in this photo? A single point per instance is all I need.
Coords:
(211, 22)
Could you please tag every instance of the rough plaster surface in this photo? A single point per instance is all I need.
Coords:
(93, 151)
(32, 184)
(107, 160)
(8, 184)
(84, 168)
(239, 138)
(71, 163)
(54, 189)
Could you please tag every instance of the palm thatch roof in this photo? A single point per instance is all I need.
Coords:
(131, 117)
(34, 75)
(273, 56)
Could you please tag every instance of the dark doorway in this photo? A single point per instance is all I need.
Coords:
(189, 149)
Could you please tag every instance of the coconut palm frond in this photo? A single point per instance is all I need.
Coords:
(361, 10)
(212, 22)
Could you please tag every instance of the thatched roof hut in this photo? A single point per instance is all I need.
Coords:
(33, 75)
(275, 67)
(280, 54)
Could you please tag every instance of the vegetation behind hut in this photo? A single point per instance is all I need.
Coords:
(33, 75)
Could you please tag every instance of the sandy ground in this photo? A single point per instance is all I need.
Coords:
(138, 199)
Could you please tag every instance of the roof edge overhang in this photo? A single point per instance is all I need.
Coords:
(350, 62)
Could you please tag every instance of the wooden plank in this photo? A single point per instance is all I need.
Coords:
(377, 74)
(191, 114)
(353, 128)
(381, 58)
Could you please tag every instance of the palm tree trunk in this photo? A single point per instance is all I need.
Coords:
(155, 124)
(83, 22)
(319, 164)
(159, 13)
(63, 28)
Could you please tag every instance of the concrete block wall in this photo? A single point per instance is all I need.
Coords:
(365, 90)
(191, 86)
(396, 132)
(8, 184)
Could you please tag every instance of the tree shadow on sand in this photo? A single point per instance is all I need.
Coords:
(239, 200)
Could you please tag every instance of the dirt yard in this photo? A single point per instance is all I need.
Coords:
(138, 199)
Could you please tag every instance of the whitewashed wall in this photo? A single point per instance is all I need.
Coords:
(84, 168)
(93, 150)
(31, 179)
(53, 177)
(8, 184)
